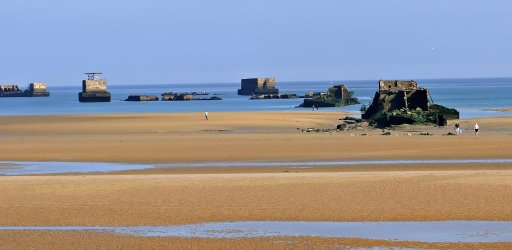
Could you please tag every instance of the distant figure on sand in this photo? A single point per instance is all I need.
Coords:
(206, 115)
(457, 128)
(476, 128)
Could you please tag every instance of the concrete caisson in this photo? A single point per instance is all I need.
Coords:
(94, 89)
(258, 86)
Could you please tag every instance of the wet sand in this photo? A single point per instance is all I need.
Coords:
(167, 199)
(70, 240)
(182, 196)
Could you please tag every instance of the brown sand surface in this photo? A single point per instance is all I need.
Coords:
(189, 198)
(306, 169)
(75, 240)
(182, 196)
(169, 199)
(252, 136)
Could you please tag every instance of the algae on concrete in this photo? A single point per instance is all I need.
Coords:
(403, 102)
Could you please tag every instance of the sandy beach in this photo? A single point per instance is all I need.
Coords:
(182, 196)
(249, 136)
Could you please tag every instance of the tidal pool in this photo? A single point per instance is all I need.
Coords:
(27, 167)
(30, 167)
(435, 231)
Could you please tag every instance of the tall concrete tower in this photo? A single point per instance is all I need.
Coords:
(94, 89)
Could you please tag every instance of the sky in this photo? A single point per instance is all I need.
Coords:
(192, 41)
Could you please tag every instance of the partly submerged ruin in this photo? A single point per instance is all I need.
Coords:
(187, 96)
(403, 102)
(170, 96)
(336, 96)
(94, 89)
(258, 86)
(273, 96)
(141, 98)
(36, 89)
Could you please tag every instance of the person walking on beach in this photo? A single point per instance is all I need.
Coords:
(206, 115)
(476, 128)
(457, 128)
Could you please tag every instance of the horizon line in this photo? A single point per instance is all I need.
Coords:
(293, 81)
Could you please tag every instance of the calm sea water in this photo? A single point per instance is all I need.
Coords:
(470, 96)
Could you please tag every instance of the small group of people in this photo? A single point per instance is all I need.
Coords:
(459, 130)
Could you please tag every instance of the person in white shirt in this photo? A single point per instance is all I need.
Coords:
(206, 115)
(476, 128)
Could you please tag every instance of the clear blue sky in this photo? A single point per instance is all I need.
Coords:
(190, 41)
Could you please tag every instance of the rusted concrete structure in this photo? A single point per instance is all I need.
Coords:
(37, 89)
(273, 96)
(397, 85)
(187, 96)
(399, 102)
(34, 90)
(336, 96)
(94, 89)
(258, 86)
(10, 90)
(176, 97)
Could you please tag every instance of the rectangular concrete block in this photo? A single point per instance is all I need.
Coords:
(94, 86)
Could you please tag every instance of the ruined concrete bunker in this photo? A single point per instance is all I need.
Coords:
(404, 102)
(94, 89)
(258, 86)
(336, 96)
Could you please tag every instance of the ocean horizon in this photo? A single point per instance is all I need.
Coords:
(473, 97)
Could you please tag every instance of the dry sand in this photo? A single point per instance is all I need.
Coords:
(182, 196)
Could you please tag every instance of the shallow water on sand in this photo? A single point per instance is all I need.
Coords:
(436, 231)
(27, 168)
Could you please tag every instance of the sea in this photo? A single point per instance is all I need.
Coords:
(474, 98)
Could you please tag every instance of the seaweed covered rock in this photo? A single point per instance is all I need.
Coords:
(403, 102)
